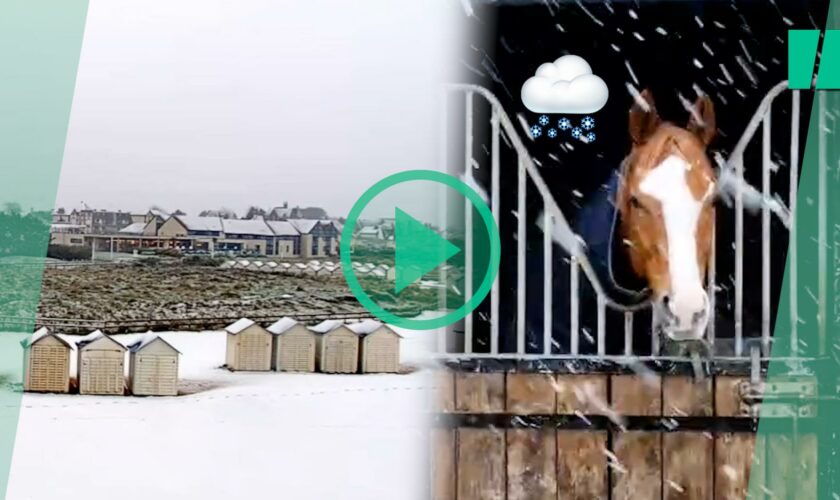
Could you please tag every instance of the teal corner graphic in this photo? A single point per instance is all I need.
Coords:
(431, 271)
(40, 45)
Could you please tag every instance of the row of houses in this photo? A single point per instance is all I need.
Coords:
(286, 345)
(100, 362)
(331, 346)
(211, 234)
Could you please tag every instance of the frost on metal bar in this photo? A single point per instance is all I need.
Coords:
(521, 217)
(468, 222)
(574, 305)
(628, 333)
(765, 233)
(548, 273)
(739, 257)
(495, 207)
(794, 180)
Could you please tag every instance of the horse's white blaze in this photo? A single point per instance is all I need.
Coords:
(681, 211)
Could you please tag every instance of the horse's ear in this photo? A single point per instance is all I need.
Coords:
(643, 117)
(702, 120)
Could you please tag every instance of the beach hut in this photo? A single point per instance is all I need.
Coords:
(379, 347)
(46, 362)
(101, 365)
(294, 346)
(152, 367)
(338, 347)
(248, 347)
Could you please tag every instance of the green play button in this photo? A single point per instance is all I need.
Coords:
(420, 249)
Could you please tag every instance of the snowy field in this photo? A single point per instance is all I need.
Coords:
(240, 436)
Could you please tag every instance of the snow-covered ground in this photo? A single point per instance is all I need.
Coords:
(242, 436)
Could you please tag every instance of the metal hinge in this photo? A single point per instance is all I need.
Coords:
(788, 397)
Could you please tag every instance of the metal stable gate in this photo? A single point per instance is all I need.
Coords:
(539, 425)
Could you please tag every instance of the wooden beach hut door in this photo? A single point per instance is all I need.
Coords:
(101, 374)
(254, 352)
(299, 354)
(48, 368)
(341, 354)
(156, 374)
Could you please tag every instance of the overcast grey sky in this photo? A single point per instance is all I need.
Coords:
(201, 103)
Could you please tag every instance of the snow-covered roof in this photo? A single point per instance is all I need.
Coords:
(367, 327)
(94, 336)
(134, 228)
(239, 325)
(146, 339)
(38, 335)
(255, 227)
(327, 326)
(305, 226)
(282, 228)
(282, 325)
(198, 223)
(159, 213)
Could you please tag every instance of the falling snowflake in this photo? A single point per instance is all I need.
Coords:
(543, 120)
(576, 132)
(590, 137)
(552, 133)
(587, 123)
(564, 124)
(536, 131)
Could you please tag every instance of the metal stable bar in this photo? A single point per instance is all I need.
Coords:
(602, 327)
(521, 215)
(822, 222)
(792, 242)
(739, 257)
(654, 335)
(495, 206)
(628, 333)
(765, 233)
(468, 222)
(574, 326)
(443, 156)
(710, 272)
(548, 275)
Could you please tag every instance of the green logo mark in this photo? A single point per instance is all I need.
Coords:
(407, 264)
(802, 53)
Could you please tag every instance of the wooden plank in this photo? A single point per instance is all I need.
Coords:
(738, 461)
(687, 465)
(586, 394)
(636, 394)
(806, 467)
(781, 477)
(445, 393)
(443, 464)
(728, 397)
(480, 392)
(531, 394)
(531, 464)
(684, 396)
(637, 470)
(481, 464)
(582, 465)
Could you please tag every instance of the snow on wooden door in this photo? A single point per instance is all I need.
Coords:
(156, 375)
(254, 352)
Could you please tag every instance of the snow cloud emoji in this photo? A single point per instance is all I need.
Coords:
(566, 85)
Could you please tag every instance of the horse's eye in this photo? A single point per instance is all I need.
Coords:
(636, 203)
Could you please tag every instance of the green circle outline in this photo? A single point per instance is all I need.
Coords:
(477, 296)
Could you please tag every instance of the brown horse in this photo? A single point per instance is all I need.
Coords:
(667, 212)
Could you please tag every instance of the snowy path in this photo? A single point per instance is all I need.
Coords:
(251, 435)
